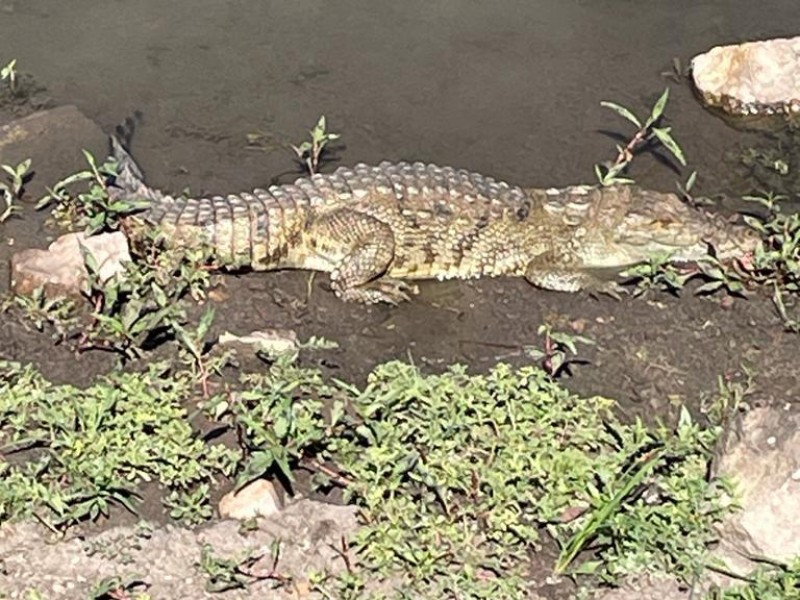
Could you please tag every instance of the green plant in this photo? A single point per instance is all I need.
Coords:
(276, 431)
(9, 73)
(94, 209)
(732, 396)
(190, 506)
(772, 580)
(685, 190)
(630, 480)
(772, 159)
(555, 353)
(659, 273)
(130, 309)
(13, 187)
(458, 477)
(647, 132)
(310, 152)
(194, 351)
(42, 311)
(144, 303)
(76, 451)
(776, 263)
(120, 548)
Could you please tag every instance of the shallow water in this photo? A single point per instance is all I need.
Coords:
(510, 89)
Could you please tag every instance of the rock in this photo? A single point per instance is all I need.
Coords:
(60, 269)
(754, 78)
(762, 457)
(256, 499)
(310, 535)
(272, 342)
(53, 140)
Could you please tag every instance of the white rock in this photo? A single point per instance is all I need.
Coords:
(753, 78)
(61, 270)
(256, 499)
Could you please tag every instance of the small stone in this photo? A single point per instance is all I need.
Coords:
(272, 342)
(256, 499)
(61, 270)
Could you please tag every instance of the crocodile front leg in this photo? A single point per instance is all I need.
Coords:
(548, 272)
(361, 249)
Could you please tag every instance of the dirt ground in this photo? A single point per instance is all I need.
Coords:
(511, 92)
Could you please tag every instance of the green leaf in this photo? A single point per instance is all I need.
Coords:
(690, 182)
(658, 109)
(623, 112)
(89, 260)
(205, 322)
(663, 135)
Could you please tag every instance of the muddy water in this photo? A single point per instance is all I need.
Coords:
(511, 89)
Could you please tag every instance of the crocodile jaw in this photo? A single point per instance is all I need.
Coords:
(683, 242)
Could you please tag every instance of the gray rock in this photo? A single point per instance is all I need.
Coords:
(762, 456)
(53, 140)
(167, 557)
(272, 342)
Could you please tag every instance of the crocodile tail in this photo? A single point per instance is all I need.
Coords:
(129, 180)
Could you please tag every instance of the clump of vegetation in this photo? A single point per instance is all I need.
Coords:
(559, 350)
(311, 152)
(77, 452)
(660, 273)
(19, 89)
(773, 580)
(131, 587)
(460, 477)
(145, 303)
(776, 263)
(224, 574)
(94, 209)
(647, 133)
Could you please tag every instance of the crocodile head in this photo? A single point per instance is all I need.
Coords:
(647, 224)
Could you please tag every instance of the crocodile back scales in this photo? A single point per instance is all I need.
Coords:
(436, 211)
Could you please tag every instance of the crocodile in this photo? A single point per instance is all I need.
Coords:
(376, 228)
